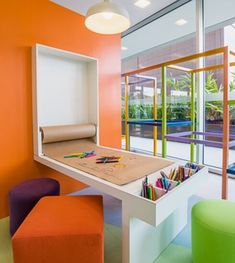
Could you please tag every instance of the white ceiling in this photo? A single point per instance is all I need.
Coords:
(164, 30)
(136, 14)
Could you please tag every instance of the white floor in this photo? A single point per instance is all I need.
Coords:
(212, 188)
(212, 155)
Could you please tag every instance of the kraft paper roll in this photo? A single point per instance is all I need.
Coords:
(67, 132)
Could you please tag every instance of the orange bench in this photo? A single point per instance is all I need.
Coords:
(60, 230)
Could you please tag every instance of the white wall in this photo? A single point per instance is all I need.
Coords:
(65, 89)
(62, 92)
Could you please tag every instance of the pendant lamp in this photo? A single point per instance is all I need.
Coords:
(107, 18)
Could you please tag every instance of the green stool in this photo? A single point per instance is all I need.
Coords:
(213, 232)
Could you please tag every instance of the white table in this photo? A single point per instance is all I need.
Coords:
(147, 226)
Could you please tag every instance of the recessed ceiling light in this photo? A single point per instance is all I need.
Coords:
(142, 3)
(124, 48)
(181, 22)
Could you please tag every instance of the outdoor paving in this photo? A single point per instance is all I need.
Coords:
(212, 155)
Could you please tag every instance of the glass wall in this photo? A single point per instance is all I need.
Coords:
(219, 32)
(169, 37)
(141, 96)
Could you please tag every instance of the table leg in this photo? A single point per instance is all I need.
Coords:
(142, 242)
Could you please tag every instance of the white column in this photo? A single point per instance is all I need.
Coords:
(200, 40)
(142, 242)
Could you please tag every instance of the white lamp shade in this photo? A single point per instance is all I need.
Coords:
(107, 18)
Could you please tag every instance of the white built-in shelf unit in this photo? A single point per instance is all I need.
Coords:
(65, 89)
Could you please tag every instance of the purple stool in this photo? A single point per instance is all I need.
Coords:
(24, 196)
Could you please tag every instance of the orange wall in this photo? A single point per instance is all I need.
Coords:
(22, 24)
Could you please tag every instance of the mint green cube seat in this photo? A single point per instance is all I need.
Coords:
(213, 232)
